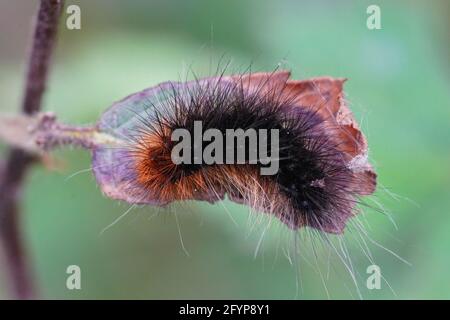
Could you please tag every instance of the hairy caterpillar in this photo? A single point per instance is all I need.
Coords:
(323, 165)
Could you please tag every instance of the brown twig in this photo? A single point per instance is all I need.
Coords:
(41, 133)
(18, 161)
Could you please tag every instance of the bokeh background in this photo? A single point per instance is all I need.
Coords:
(398, 88)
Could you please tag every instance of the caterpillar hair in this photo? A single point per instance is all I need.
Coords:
(323, 162)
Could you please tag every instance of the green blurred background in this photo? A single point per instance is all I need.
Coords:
(398, 88)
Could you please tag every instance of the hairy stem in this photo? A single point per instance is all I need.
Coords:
(18, 161)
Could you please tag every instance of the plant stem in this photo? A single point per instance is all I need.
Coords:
(18, 161)
(41, 133)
